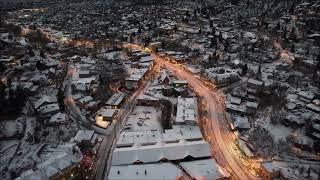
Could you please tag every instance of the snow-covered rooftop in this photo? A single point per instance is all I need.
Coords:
(145, 171)
(205, 169)
(186, 110)
(116, 99)
(154, 153)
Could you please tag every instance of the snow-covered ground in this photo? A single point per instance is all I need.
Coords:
(277, 131)
(145, 118)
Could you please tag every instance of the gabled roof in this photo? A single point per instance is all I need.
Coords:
(115, 99)
(45, 99)
(204, 169)
(145, 171)
(154, 153)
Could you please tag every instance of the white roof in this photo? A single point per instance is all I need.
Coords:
(146, 59)
(178, 132)
(241, 122)
(154, 153)
(187, 132)
(186, 110)
(204, 169)
(145, 171)
(147, 97)
(163, 76)
(243, 146)
(180, 82)
(306, 95)
(252, 104)
(141, 137)
(55, 164)
(49, 108)
(136, 74)
(237, 108)
(84, 72)
(45, 99)
(84, 81)
(84, 135)
(234, 100)
(58, 118)
(85, 99)
(116, 99)
(270, 166)
(313, 107)
(50, 171)
(255, 82)
(109, 113)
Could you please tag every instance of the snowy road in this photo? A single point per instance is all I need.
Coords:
(216, 127)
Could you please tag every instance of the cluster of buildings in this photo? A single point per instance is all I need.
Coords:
(64, 161)
(141, 63)
(107, 114)
(146, 149)
(268, 68)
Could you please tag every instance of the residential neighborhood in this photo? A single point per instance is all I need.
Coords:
(160, 89)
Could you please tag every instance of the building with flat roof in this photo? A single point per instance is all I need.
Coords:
(135, 78)
(186, 110)
(86, 137)
(145, 171)
(174, 135)
(116, 100)
(205, 169)
(105, 116)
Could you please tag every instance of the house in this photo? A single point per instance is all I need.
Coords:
(306, 96)
(57, 119)
(49, 110)
(314, 108)
(251, 107)
(254, 84)
(234, 100)
(85, 100)
(45, 100)
(86, 137)
(187, 110)
(84, 74)
(180, 91)
(106, 114)
(40, 79)
(241, 123)
(56, 166)
(205, 169)
(146, 100)
(135, 78)
(269, 171)
(92, 105)
(244, 148)
(146, 59)
(222, 76)
(116, 100)
(180, 83)
(232, 108)
(164, 78)
(155, 46)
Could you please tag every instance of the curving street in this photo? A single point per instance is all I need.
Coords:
(215, 126)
